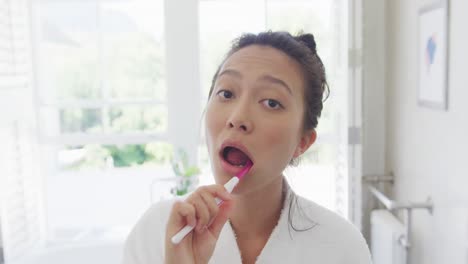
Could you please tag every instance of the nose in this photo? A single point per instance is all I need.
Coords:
(240, 119)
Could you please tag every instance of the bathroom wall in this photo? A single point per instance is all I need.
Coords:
(427, 148)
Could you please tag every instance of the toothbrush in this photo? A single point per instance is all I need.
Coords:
(229, 187)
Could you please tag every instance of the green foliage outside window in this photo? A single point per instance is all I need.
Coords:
(130, 67)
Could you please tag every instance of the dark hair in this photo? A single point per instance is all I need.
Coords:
(301, 48)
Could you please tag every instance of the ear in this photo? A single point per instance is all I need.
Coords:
(307, 139)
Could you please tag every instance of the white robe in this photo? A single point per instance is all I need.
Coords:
(329, 239)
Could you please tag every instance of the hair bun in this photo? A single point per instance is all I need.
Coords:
(308, 40)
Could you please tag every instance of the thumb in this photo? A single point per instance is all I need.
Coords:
(221, 219)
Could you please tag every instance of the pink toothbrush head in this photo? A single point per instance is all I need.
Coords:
(246, 169)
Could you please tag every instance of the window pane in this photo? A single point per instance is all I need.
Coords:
(219, 25)
(101, 49)
(102, 157)
(68, 55)
(310, 16)
(132, 47)
(138, 119)
(80, 120)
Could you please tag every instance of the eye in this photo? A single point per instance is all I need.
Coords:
(272, 104)
(225, 94)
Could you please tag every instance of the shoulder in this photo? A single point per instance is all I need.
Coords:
(334, 230)
(145, 243)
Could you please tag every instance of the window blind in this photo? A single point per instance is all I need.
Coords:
(20, 185)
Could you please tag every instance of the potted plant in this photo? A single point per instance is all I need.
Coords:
(186, 174)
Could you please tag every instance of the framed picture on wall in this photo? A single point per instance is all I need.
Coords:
(433, 54)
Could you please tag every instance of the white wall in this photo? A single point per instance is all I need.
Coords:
(426, 148)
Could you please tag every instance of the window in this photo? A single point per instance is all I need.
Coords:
(102, 95)
(103, 112)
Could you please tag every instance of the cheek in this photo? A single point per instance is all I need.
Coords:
(281, 140)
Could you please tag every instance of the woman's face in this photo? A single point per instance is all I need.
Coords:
(256, 112)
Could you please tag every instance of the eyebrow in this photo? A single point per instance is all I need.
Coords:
(266, 77)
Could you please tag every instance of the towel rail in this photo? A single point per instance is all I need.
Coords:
(379, 178)
(393, 205)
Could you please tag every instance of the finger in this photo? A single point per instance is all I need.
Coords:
(202, 212)
(220, 219)
(219, 191)
(212, 205)
(187, 212)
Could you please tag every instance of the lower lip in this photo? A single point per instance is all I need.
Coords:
(230, 169)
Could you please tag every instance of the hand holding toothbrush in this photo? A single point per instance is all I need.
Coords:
(206, 211)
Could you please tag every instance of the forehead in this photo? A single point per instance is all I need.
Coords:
(256, 60)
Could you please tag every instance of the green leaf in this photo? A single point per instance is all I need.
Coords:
(194, 170)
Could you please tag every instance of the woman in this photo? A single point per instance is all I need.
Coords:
(264, 104)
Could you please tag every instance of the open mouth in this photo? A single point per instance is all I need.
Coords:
(235, 156)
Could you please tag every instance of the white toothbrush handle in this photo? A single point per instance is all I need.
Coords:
(181, 234)
(187, 229)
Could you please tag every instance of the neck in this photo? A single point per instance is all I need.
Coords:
(256, 214)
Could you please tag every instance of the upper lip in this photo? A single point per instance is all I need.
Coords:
(237, 145)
